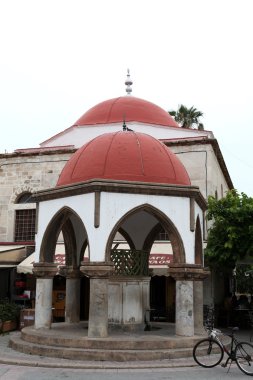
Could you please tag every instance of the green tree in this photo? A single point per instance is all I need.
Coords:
(187, 117)
(244, 278)
(231, 236)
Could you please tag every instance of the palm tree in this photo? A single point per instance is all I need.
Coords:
(188, 117)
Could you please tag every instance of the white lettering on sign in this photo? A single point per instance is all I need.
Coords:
(154, 259)
(160, 259)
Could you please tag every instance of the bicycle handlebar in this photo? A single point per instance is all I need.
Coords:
(214, 332)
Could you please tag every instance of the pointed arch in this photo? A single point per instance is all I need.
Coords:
(127, 237)
(151, 236)
(82, 252)
(164, 221)
(70, 243)
(64, 220)
(198, 243)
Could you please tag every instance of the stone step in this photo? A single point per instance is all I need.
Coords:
(99, 354)
(120, 342)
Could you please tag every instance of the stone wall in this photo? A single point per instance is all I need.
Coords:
(21, 173)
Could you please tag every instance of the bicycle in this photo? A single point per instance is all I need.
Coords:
(209, 352)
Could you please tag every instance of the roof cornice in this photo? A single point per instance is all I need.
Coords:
(38, 152)
(121, 187)
(216, 150)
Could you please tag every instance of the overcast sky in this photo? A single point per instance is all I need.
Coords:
(58, 58)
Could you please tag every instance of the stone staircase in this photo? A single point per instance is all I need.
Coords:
(71, 342)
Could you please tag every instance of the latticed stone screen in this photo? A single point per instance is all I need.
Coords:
(129, 262)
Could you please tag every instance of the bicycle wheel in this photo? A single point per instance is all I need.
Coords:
(208, 353)
(244, 357)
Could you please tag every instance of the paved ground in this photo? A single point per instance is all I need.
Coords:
(8, 372)
(9, 356)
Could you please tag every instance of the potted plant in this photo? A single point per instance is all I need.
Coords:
(9, 313)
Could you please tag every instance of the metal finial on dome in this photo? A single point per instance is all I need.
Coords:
(128, 83)
(124, 127)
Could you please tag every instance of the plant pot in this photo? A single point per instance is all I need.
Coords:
(9, 326)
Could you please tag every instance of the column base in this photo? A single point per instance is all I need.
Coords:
(97, 331)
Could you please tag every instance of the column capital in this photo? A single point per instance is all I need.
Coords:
(97, 269)
(188, 272)
(45, 270)
(69, 272)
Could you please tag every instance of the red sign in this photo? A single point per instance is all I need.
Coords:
(160, 259)
(59, 259)
(154, 259)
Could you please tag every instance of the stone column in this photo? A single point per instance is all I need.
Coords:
(72, 300)
(98, 272)
(184, 308)
(189, 305)
(198, 307)
(45, 273)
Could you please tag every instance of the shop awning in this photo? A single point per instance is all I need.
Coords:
(11, 255)
(26, 266)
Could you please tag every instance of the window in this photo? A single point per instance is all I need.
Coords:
(25, 198)
(25, 218)
(25, 225)
(163, 235)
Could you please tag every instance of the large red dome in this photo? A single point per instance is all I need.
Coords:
(129, 108)
(127, 156)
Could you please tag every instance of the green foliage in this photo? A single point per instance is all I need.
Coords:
(187, 117)
(231, 235)
(244, 283)
(8, 311)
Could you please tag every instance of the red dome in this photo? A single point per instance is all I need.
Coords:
(128, 108)
(127, 156)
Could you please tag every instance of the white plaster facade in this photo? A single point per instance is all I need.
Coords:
(114, 207)
(79, 135)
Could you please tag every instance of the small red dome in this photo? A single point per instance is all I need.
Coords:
(127, 156)
(128, 108)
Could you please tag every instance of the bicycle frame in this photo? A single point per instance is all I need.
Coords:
(214, 334)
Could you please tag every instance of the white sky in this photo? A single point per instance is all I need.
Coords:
(58, 58)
